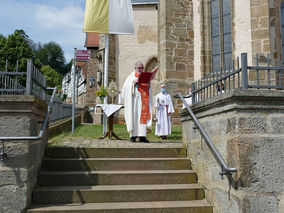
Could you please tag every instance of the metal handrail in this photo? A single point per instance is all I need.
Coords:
(225, 169)
(42, 130)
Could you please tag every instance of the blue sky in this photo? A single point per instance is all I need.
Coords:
(46, 20)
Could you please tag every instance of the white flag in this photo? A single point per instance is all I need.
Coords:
(109, 17)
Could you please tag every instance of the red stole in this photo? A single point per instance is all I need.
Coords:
(144, 92)
(145, 111)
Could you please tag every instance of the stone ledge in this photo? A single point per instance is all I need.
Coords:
(238, 99)
(21, 98)
(19, 105)
(17, 98)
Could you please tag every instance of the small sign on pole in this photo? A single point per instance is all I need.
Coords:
(83, 55)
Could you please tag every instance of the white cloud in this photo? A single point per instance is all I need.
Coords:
(51, 18)
(65, 25)
(43, 21)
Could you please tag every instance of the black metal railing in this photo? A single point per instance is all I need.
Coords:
(11, 83)
(267, 77)
(239, 76)
(226, 170)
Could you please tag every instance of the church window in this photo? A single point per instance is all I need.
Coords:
(221, 34)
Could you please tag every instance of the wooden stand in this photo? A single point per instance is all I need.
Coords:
(110, 132)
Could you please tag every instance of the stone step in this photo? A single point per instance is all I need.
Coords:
(75, 178)
(117, 193)
(107, 164)
(70, 152)
(199, 206)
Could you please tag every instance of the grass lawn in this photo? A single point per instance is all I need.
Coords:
(96, 131)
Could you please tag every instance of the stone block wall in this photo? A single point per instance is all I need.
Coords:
(176, 49)
(264, 34)
(20, 116)
(260, 26)
(275, 29)
(247, 127)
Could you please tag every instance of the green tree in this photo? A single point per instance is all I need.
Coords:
(15, 47)
(52, 77)
(49, 57)
(51, 54)
(2, 59)
(1, 36)
(35, 46)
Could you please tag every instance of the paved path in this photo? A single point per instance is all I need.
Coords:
(104, 143)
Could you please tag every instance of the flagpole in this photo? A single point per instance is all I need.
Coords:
(74, 91)
(105, 80)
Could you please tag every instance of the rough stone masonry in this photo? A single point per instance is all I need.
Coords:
(20, 116)
(247, 128)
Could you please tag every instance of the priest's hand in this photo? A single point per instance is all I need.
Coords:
(155, 69)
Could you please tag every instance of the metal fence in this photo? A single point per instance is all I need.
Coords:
(61, 110)
(9, 81)
(12, 83)
(239, 76)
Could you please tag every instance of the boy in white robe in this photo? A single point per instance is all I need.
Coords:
(163, 102)
(133, 106)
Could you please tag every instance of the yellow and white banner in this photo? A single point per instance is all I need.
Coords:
(109, 17)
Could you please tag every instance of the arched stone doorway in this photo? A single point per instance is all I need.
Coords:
(151, 63)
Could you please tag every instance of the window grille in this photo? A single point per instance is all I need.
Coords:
(221, 35)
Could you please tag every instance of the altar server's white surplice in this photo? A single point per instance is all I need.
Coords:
(163, 102)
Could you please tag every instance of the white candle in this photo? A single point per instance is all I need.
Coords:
(119, 98)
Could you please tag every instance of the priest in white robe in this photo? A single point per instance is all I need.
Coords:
(137, 105)
(164, 105)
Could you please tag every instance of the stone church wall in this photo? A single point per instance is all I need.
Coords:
(141, 46)
(176, 48)
(247, 127)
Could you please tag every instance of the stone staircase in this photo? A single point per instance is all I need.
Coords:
(109, 180)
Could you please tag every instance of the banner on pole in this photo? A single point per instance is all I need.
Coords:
(83, 55)
(109, 17)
